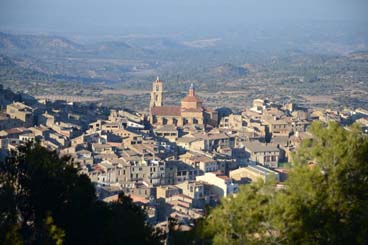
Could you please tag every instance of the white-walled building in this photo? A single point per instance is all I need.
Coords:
(253, 173)
(223, 185)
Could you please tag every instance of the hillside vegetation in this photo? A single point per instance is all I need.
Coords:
(324, 200)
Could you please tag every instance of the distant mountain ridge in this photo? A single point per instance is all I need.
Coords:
(13, 70)
(9, 68)
(10, 42)
(36, 44)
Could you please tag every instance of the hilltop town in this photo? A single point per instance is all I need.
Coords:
(175, 160)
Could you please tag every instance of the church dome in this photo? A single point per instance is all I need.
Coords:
(192, 98)
(191, 101)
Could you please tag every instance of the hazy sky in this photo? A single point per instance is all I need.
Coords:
(124, 16)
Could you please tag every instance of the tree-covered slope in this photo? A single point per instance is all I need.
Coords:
(45, 201)
(324, 200)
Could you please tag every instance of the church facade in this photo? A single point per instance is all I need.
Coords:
(190, 112)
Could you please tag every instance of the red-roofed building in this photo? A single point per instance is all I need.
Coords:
(190, 112)
(166, 111)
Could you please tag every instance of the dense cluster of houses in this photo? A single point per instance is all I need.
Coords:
(172, 171)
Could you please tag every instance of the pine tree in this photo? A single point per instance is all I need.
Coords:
(324, 200)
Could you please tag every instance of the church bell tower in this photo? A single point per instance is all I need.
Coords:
(156, 94)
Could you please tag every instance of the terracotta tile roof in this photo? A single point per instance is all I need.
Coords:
(187, 139)
(210, 136)
(201, 158)
(114, 144)
(98, 168)
(166, 128)
(190, 98)
(136, 198)
(15, 130)
(261, 147)
(166, 110)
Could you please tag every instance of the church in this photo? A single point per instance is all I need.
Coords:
(190, 112)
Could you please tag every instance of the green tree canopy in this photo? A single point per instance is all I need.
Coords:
(324, 200)
(45, 201)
